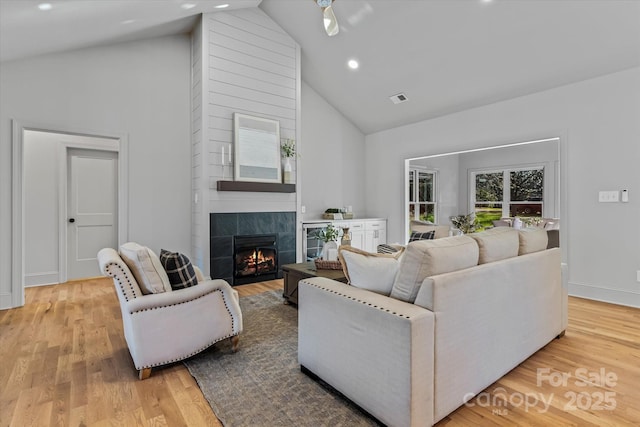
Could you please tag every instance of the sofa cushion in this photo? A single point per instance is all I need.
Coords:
(496, 244)
(372, 271)
(179, 269)
(427, 235)
(425, 258)
(532, 240)
(425, 227)
(146, 268)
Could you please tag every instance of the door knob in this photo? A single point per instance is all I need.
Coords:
(72, 220)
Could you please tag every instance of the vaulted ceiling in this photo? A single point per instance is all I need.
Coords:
(445, 55)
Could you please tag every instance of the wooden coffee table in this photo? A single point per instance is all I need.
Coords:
(293, 273)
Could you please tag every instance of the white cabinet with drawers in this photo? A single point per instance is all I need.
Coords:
(375, 233)
(356, 229)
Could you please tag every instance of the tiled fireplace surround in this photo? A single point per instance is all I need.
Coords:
(223, 226)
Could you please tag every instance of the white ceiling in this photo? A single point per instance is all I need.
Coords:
(445, 55)
(451, 55)
(71, 24)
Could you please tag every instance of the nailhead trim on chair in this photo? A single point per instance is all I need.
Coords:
(115, 277)
(177, 359)
(186, 356)
(357, 300)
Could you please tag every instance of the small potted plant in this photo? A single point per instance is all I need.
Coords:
(465, 223)
(329, 235)
(288, 151)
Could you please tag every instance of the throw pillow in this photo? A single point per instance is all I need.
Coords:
(179, 269)
(425, 258)
(423, 227)
(371, 271)
(384, 248)
(532, 240)
(146, 268)
(416, 235)
(496, 244)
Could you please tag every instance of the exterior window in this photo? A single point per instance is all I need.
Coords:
(507, 193)
(422, 195)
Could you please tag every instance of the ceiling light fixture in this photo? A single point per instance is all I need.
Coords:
(128, 21)
(187, 6)
(222, 6)
(328, 17)
(353, 64)
(45, 6)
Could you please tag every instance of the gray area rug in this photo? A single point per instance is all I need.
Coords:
(261, 384)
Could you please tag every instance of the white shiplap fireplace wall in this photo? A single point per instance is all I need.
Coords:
(242, 62)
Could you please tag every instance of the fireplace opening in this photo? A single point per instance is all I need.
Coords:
(255, 258)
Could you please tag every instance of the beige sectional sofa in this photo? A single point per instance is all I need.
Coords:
(462, 312)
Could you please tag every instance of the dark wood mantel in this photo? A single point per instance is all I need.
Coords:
(260, 187)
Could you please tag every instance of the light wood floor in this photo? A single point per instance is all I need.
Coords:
(64, 362)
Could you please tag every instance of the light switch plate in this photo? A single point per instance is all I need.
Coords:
(609, 196)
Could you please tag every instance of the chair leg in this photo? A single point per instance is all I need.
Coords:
(144, 373)
(561, 334)
(234, 343)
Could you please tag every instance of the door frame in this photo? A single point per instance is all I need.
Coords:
(120, 145)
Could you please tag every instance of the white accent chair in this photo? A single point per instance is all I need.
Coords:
(171, 326)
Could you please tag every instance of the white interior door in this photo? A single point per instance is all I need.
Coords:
(92, 209)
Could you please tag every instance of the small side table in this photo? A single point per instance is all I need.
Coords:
(293, 273)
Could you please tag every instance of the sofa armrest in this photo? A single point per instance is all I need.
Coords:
(180, 296)
(376, 350)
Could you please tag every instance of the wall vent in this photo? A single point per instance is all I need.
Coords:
(398, 98)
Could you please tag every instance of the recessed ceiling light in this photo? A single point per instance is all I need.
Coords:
(128, 21)
(222, 6)
(45, 6)
(353, 64)
(188, 6)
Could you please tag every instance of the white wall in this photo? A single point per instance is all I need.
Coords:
(332, 159)
(40, 208)
(597, 119)
(139, 89)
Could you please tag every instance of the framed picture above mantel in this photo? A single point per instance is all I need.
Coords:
(257, 149)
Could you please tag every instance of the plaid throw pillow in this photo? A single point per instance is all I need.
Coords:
(179, 269)
(386, 249)
(429, 235)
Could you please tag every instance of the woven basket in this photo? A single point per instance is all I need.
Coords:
(322, 264)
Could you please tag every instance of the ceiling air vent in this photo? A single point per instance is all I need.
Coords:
(398, 98)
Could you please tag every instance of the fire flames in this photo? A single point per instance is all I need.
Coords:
(255, 262)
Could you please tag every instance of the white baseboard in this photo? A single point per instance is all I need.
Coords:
(41, 279)
(614, 296)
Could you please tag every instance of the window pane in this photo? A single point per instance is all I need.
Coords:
(489, 187)
(527, 186)
(488, 212)
(425, 187)
(427, 212)
(412, 211)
